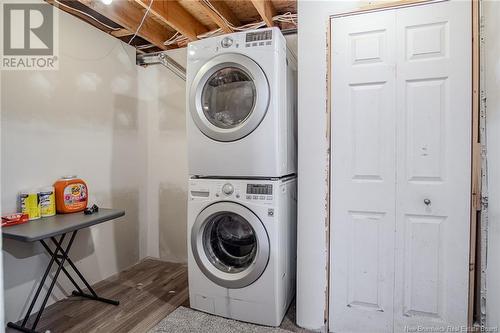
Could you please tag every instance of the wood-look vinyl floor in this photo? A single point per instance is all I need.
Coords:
(147, 292)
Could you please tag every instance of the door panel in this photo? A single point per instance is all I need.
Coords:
(400, 196)
(363, 173)
(424, 266)
(364, 263)
(434, 133)
(425, 131)
(366, 125)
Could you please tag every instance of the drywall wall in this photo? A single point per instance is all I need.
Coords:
(85, 119)
(312, 163)
(164, 93)
(491, 11)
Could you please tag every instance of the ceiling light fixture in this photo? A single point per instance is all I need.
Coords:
(107, 2)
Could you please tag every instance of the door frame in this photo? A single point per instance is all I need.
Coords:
(475, 186)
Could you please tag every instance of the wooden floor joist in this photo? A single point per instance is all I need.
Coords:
(176, 22)
(121, 33)
(266, 10)
(129, 17)
(173, 14)
(224, 11)
(69, 9)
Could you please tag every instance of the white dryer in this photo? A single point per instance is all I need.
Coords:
(242, 106)
(242, 248)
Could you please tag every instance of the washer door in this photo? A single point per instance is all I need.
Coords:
(229, 97)
(230, 244)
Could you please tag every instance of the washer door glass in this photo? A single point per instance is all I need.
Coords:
(229, 242)
(228, 97)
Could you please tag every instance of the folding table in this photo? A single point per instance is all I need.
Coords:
(51, 228)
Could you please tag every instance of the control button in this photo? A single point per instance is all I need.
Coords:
(268, 43)
(249, 197)
(247, 44)
(255, 197)
(228, 189)
(237, 195)
(262, 197)
(269, 198)
(261, 43)
(254, 44)
(217, 195)
(226, 42)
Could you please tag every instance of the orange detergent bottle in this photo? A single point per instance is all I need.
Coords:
(71, 195)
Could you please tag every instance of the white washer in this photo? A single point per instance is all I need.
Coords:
(242, 105)
(242, 248)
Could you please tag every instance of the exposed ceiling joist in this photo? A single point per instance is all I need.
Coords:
(177, 22)
(77, 13)
(173, 14)
(121, 33)
(266, 11)
(129, 16)
(222, 9)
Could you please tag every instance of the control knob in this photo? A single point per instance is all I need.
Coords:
(228, 189)
(226, 42)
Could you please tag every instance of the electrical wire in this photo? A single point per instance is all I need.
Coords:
(174, 39)
(142, 22)
(287, 17)
(88, 15)
(178, 38)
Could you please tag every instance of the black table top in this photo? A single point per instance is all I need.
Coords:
(57, 225)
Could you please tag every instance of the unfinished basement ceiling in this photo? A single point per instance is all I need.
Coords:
(170, 24)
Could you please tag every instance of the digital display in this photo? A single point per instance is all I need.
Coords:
(266, 189)
(259, 35)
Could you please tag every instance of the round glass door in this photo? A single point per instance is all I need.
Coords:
(229, 97)
(230, 244)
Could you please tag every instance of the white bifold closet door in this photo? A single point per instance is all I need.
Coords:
(400, 196)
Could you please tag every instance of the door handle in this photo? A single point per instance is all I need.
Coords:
(427, 202)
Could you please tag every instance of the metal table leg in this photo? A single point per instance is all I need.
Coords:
(59, 256)
(79, 291)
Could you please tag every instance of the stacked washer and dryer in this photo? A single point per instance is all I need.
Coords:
(242, 166)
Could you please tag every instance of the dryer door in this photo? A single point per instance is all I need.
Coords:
(229, 97)
(230, 244)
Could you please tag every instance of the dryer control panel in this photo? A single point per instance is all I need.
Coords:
(259, 38)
